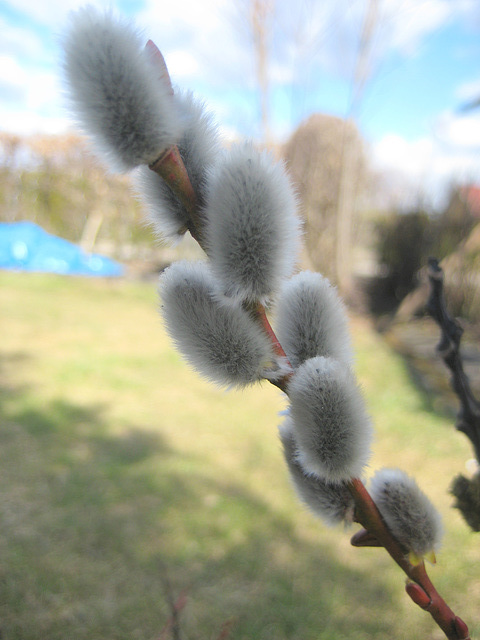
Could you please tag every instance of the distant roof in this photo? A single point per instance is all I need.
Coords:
(471, 196)
(24, 246)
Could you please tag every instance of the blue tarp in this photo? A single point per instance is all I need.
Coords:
(24, 246)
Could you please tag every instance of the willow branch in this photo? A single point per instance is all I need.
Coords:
(258, 312)
(421, 591)
(170, 166)
(176, 606)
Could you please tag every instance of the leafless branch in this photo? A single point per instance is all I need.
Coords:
(449, 349)
(466, 491)
(175, 605)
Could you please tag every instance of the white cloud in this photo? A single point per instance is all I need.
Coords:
(459, 131)
(468, 90)
(17, 41)
(328, 34)
(395, 153)
(207, 47)
(27, 123)
(51, 13)
(408, 22)
(13, 77)
(204, 38)
(32, 100)
(200, 42)
(181, 64)
(425, 167)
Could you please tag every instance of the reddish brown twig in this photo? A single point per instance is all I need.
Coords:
(172, 626)
(366, 513)
(421, 590)
(170, 165)
(225, 630)
(259, 313)
(171, 168)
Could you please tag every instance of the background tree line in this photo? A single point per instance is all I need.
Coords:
(404, 242)
(55, 182)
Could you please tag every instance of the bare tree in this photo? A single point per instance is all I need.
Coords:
(314, 156)
(349, 164)
(261, 12)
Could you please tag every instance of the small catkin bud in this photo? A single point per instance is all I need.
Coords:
(311, 320)
(127, 112)
(332, 427)
(333, 503)
(198, 148)
(220, 340)
(252, 229)
(407, 511)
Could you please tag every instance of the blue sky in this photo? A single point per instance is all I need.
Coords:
(423, 63)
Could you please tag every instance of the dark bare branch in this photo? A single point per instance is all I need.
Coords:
(449, 349)
(465, 490)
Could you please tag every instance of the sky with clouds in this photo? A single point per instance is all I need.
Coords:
(419, 65)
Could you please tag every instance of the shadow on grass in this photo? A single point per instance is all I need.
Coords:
(92, 520)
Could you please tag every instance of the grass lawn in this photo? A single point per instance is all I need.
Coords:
(125, 478)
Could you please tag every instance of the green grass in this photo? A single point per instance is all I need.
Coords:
(121, 470)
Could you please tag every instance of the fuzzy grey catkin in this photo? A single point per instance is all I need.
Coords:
(311, 320)
(221, 341)
(252, 229)
(198, 146)
(332, 428)
(407, 511)
(114, 94)
(332, 502)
